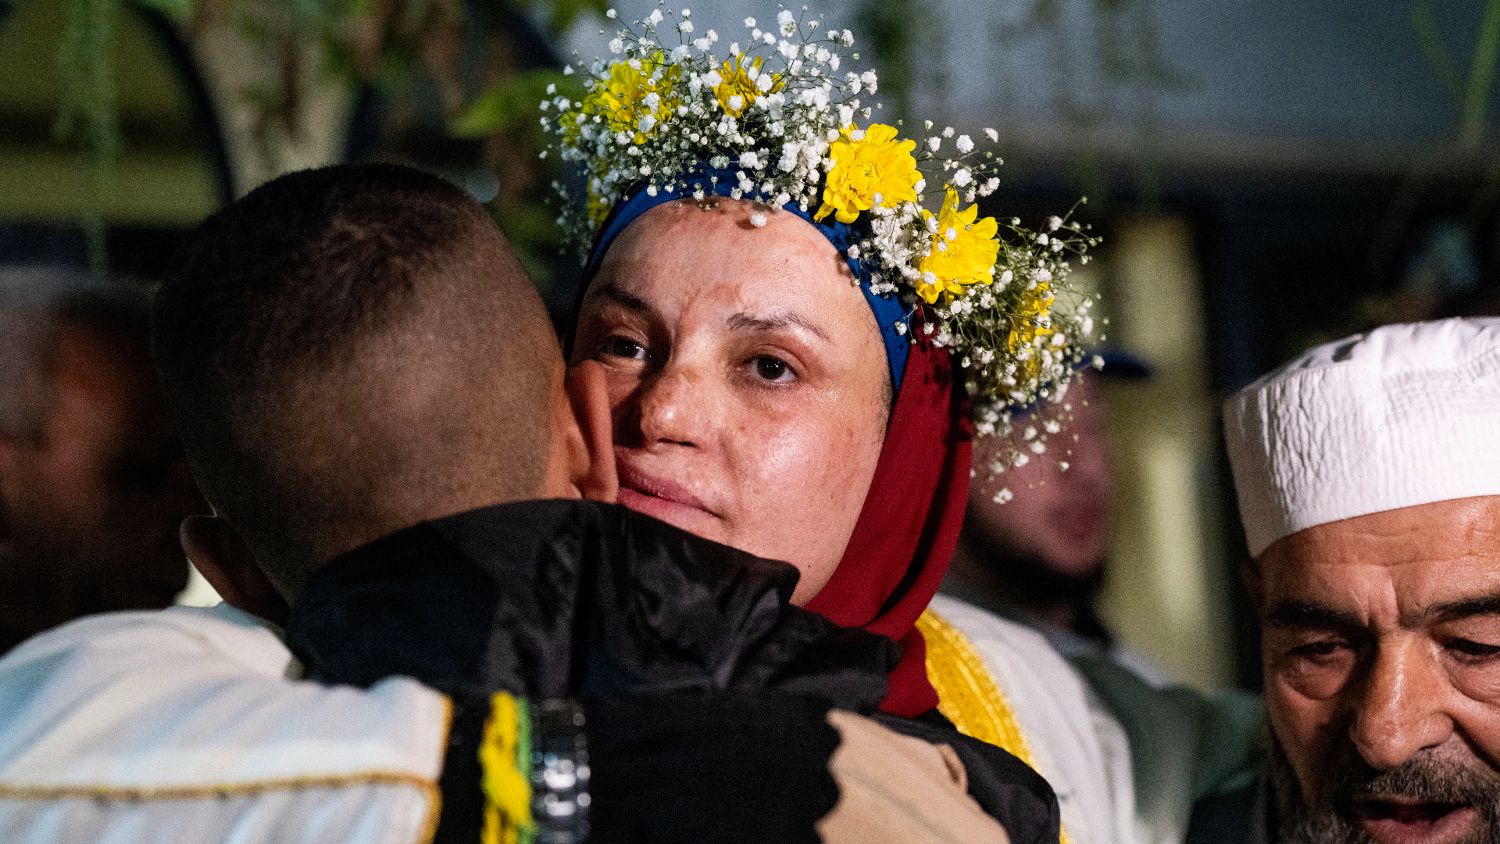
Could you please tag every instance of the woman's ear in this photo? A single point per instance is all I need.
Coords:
(592, 468)
(226, 562)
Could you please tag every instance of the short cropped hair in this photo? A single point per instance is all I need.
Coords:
(349, 350)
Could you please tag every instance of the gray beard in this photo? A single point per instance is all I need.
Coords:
(1424, 777)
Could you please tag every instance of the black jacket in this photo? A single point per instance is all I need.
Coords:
(705, 690)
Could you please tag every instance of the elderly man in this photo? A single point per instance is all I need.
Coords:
(1368, 473)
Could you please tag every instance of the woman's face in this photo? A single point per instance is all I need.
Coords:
(747, 377)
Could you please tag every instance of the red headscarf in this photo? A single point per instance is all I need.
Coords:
(908, 529)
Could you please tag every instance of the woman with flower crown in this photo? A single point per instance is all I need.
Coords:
(798, 343)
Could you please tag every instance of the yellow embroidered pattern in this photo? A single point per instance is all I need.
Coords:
(967, 695)
(505, 757)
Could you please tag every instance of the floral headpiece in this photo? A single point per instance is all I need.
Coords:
(785, 127)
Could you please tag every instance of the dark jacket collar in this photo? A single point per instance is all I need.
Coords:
(567, 598)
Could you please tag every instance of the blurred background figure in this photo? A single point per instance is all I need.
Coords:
(1041, 557)
(93, 483)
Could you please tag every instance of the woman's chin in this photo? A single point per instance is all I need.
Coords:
(687, 517)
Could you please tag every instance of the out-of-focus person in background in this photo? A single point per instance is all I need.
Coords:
(1036, 540)
(93, 482)
(1368, 476)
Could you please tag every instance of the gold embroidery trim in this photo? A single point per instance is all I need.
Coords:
(435, 794)
(237, 789)
(967, 694)
(250, 788)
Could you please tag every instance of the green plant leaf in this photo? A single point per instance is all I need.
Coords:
(512, 103)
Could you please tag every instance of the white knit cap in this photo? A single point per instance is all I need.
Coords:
(1401, 416)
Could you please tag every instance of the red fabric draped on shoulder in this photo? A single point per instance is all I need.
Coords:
(908, 529)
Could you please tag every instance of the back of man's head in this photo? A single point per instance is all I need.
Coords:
(351, 350)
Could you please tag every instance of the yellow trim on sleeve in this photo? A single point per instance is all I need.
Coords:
(967, 694)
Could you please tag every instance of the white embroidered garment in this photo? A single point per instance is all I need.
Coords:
(1078, 746)
(186, 725)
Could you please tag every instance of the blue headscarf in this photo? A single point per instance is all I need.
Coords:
(888, 309)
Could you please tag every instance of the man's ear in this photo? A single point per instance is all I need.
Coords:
(225, 561)
(592, 466)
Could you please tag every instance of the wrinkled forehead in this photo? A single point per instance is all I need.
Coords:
(1405, 560)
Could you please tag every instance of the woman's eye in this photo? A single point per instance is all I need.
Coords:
(773, 369)
(622, 347)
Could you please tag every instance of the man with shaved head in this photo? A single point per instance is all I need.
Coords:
(1368, 473)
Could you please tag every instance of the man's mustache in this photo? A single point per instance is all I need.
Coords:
(1423, 778)
(1333, 816)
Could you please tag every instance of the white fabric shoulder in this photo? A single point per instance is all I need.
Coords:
(184, 725)
(1077, 744)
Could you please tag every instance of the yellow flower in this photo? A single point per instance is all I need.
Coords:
(963, 250)
(876, 164)
(736, 82)
(628, 95)
(597, 208)
(1031, 322)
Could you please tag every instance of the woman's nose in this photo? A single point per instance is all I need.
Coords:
(673, 407)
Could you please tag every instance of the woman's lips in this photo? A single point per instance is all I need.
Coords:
(663, 499)
(1398, 821)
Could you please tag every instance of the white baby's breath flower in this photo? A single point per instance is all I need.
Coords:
(962, 177)
(964, 144)
(787, 23)
(749, 23)
(992, 135)
(758, 219)
(616, 46)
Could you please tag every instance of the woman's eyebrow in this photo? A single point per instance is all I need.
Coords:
(611, 291)
(776, 319)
